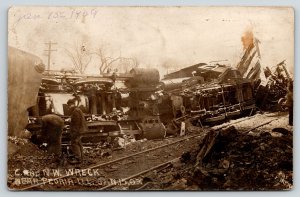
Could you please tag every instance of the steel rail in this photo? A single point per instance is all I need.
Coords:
(135, 154)
(176, 159)
(119, 159)
(263, 124)
(142, 172)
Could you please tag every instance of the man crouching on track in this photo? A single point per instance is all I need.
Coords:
(77, 126)
(52, 128)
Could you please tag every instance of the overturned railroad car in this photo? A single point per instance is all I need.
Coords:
(206, 100)
(24, 77)
(212, 103)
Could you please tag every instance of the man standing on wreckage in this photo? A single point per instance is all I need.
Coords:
(78, 125)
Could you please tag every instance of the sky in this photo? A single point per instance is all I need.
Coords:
(167, 38)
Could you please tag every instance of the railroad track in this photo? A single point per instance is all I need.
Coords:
(126, 161)
(168, 163)
(128, 157)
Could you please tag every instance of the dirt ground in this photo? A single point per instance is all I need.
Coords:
(242, 159)
(261, 159)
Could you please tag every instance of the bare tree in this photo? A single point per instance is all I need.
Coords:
(106, 62)
(80, 58)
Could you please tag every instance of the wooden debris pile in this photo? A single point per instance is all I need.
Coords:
(229, 160)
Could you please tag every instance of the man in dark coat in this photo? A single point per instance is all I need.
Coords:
(52, 128)
(78, 125)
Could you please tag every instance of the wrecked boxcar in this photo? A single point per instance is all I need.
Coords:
(270, 85)
(271, 94)
(213, 94)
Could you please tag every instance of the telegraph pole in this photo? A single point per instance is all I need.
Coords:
(49, 50)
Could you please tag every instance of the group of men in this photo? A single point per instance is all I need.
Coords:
(52, 128)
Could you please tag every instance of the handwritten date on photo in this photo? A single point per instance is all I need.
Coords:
(73, 14)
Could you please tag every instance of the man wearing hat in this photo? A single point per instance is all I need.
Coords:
(77, 126)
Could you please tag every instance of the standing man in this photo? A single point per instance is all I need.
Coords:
(52, 128)
(77, 126)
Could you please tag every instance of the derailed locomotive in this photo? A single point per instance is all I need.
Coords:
(143, 106)
(94, 96)
(110, 107)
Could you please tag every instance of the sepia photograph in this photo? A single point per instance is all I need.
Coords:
(157, 98)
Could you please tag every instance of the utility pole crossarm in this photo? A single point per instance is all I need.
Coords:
(49, 50)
